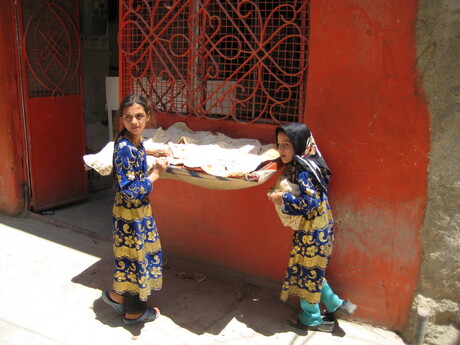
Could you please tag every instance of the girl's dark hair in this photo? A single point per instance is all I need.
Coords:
(298, 134)
(129, 101)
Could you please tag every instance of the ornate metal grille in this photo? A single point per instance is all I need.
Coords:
(52, 47)
(221, 59)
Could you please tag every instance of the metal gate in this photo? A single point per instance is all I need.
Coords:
(238, 60)
(51, 79)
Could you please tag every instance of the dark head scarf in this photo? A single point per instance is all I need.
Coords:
(307, 155)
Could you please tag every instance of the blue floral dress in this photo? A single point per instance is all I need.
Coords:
(136, 243)
(312, 242)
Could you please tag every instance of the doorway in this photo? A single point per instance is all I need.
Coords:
(68, 51)
(50, 74)
(99, 61)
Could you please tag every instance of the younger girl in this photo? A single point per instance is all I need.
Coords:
(136, 244)
(313, 239)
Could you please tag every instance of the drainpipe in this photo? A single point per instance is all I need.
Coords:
(420, 325)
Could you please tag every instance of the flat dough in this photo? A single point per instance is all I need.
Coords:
(214, 153)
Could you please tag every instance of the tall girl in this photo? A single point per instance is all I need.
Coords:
(136, 243)
(312, 240)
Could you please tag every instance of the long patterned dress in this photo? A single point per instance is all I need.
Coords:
(136, 243)
(312, 243)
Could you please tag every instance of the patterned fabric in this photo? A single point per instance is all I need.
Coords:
(136, 243)
(312, 160)
(312, 243)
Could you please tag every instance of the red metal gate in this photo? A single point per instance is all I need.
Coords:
(244, 61)
(52, 95)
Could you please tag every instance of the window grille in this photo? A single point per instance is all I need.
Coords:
(237, 60)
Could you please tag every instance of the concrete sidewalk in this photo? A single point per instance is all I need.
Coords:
(53, 274)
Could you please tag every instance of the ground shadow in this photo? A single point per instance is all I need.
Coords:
(338, 331)
(199, 303)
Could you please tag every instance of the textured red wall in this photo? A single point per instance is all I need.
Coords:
(11, 139)
(372, 125)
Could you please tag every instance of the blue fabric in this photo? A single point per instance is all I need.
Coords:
(312, 243)
(136, 243)
(310, 199)
(313, 240)
(310, 314)
(330, 300)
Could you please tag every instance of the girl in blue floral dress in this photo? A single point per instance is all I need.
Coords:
(136, 243)
(314, 233)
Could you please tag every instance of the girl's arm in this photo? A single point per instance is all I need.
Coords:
(133, 184)
(308, 200)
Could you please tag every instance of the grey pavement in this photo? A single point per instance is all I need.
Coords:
(54, 267)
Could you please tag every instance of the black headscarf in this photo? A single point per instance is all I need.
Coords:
(307, 156)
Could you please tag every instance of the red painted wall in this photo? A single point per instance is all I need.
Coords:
(11, 139)
(372, 125)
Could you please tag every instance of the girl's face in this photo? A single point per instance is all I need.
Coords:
(135, 119)
(285, 148)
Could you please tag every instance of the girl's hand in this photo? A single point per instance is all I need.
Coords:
(276, 198)
(161, 164)
(159, 151)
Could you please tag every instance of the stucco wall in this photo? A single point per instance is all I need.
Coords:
(438, 52)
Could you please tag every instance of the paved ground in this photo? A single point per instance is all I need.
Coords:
(53, 271)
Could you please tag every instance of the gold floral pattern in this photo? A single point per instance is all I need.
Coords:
(312, 243)
(136, 243)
